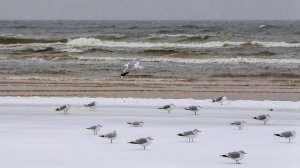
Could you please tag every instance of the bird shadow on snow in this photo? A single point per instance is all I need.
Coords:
(182, 141)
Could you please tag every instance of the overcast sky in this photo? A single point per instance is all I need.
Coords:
(150, 9)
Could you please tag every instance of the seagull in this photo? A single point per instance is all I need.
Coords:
(193, 108)
(168, 107)
(111, 136)
(237, 156)
(143, 142)
(220, 99)
(190, 134)
(65, 108)
(136, 123)
(95, 128)
(132, 65)
(288, 135)
(264, 117)
(239, 124)
(92, 106)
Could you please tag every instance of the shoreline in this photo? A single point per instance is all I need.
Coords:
(285, 89)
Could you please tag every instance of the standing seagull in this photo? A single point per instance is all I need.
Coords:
(143, 142)
(193, 108)
(168, 107)
(220, 99)
(95, 128)
(288, 135)
(190, 134)
(264, 117)
(110, 136)
(132, 65)
(65, 108)
(136, 123)
(92, 106)
(237, 156)
(239, 124)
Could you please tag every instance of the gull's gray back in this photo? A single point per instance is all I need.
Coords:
(193, 108)
(234, 155)
(262, 117)
(287, 134)
(141, 141)
(110, 135)
(188, 133)
(166, 106)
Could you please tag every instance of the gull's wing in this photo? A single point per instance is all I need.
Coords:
(234, 155)
(141, 141)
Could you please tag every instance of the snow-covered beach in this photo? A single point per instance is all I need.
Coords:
(34, 135)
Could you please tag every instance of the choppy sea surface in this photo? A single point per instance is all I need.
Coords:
(183, 49)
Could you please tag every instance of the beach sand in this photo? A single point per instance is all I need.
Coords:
(202, 88)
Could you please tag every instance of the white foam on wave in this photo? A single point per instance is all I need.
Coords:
(180, 35)
(81, 42)
(238, 60)
(92, 42)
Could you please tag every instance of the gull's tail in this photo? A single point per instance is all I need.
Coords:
(123, 74)
(180, 134)
(129, 123)
(278, 135)
(223, 155)
(132, 142)
(231, 123)
(255, 118)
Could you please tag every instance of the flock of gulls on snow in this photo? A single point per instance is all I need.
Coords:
(236, 155)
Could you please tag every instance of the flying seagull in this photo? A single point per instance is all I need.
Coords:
(64, 108)
(111, 136)
(190, 134)
(264, 117)
(168, 107)
(132, 65)
(142, 141)
(136, 123)
(237, 156)
(220, 99)
(92, 106)
(193, 108)
(239, 124)
(288, 135)
(95, 128)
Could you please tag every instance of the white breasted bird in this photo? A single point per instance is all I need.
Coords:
(239, 124)
(169, 107)
(136, 123)
(288, 135)
(221, 99)
(91, 105)
(195, 109)
(190, 134)
(142, 141)
(111, 136)
(237, 156)
(95, 128)
(64, 108)
(264, 117)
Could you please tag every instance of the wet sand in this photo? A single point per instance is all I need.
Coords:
(204, 88)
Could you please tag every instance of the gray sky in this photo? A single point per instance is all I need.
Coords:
(150, 9)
